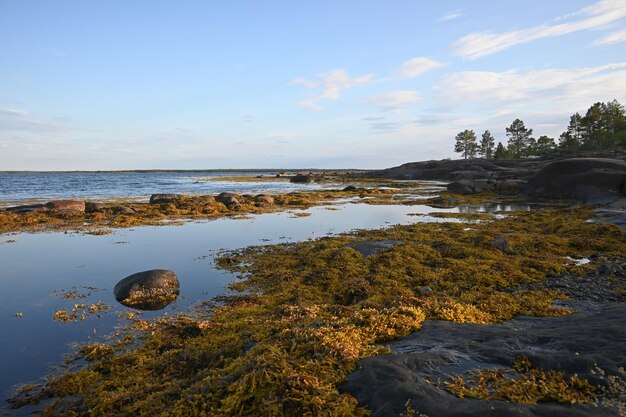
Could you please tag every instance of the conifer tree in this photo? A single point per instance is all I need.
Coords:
(487, 143)
(466, 143)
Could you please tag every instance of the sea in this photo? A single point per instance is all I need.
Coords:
(17, 187)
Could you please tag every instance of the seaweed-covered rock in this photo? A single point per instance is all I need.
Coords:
(207, 199)
(164, 198)
(229, 199)
(264, 200)
(300, 179)
(66, 206)
(148, 290)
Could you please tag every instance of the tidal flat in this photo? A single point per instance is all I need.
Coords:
(276, 310)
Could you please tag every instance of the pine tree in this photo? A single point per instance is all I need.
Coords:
(545, 145)
(466, 143)
(501, 152)
(519, 138)
(487, 143)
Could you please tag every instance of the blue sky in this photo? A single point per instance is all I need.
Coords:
(350, 84)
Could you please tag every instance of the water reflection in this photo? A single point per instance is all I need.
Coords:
(493, 208)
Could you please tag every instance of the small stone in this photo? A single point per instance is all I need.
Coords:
(500, 243)
(425, 290)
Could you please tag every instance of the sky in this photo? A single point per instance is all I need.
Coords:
(155, 84)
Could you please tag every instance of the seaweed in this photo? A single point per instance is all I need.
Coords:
(303, 314)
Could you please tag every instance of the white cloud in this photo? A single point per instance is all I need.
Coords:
(454, 14)
(599, 14)
(611, 38)
(549, 85)
(14, 112)
(416, 66)
(393, 100)
(330, 84)
(18, 120)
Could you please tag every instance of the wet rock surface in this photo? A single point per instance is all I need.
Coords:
(593, 338)
(607, 282)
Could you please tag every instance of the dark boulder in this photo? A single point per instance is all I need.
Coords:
(460, 187)
(93, 207)
(300, 179)
(148, 290)
(466, 187)
(164, 198)
(510, 186)
(350, 188)
(585, 179)
(66, 206)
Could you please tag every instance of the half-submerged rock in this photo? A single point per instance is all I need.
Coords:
(148, 290)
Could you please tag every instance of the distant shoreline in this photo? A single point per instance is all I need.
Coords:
(166, 171)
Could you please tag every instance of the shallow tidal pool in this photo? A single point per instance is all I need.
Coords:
(36, 267)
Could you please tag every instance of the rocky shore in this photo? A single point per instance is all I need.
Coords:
(516, 315)
(589, 179)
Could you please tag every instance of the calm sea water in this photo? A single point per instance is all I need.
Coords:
(19, 187)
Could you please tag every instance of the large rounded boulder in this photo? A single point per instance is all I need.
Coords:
(585, 179)
(66, 206)
(148, 290)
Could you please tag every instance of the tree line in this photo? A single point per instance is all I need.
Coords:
(602, 128)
